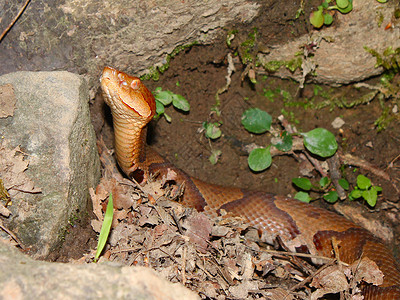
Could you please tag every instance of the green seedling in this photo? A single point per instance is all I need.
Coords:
(215, 154)
(324, 187)
(318, 141)
(256, 120)
(212, 130)
(364, 189)
(323, 15)
(105, 228)
(260, 159)
(165, 98)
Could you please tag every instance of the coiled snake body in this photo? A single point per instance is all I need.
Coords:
(298, 225)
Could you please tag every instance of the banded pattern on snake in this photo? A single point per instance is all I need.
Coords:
(298, 225)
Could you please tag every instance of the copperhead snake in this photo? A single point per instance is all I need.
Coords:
(298, 225)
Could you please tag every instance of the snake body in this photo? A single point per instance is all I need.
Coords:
(299, 226)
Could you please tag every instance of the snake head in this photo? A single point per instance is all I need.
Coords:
(127, 95)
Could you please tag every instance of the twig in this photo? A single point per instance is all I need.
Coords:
(14, 237)
(334, 165)
(178, 225)
(302, 283)
(183, 266)
(391, 164)
(15, 20)
(283, 253)
(359, 162)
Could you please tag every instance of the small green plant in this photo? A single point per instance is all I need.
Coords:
(256, 120)
(105, 228)
(324, 186)
(364, 189)
(165, 98)
(318, 141)
(323, 16)
(388, 59)
(212, 130)
(247, 48)
(215, 154)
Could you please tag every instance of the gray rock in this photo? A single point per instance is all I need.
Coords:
(344, 59)
(84, 36)
(24, 278)
(51, 123)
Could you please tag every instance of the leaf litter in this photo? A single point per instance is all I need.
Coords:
(220, 258)
(14, 182)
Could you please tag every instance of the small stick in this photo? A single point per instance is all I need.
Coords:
(14, 237)
(183, 266)
(15, 20)
(359, 162)
(283, 253)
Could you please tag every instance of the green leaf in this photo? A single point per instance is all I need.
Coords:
(331, 196)
(321, 142)
(211, 130)
(355, 194)
(342, 3)
(370, 196)
(348, 9)
(256, 120)
(303, 197)
(323, 182)
(286, 142)
(345, 10)
(363, 182)
(328, 19)
(160, 109)
(317, 18)
(259, 159)
(180, 102)
(167, 117)
(376, 188)
(215, 154)
(344, 183)
(165, 97)
(105, 228)
(303, 183)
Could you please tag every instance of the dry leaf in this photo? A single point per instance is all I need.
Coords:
(7, 100)
(242, 290)
(198, 230)
(279, 294)
(367, 270)
(13, 163)
(330, 280)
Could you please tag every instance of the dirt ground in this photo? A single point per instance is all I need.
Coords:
(198, 72)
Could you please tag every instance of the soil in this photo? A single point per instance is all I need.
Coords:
(198, 72)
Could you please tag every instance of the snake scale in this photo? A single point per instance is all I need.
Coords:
(300, 226)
